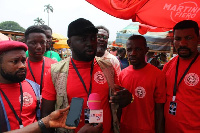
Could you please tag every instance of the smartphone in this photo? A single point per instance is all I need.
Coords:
(75, 110)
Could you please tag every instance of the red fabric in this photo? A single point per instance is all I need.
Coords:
(138, 117)
(28, 114)
(37, 69)
(10, 45)
(162, 13)
(76, 89)
(187, 117)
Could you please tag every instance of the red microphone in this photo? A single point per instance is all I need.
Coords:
(96, 113)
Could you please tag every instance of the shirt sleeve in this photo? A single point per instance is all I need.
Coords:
(48, 92)
(56, 56)
(160, 90)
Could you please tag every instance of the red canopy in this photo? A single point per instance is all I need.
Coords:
(154, 15)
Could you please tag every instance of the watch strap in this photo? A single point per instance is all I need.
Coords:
(42, 126)
(132, 98)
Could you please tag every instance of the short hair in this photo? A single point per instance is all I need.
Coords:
(103, 27)
(33, 29)
(186, 24)
(113, 49)
(45, 27)
(138, 37)
(120, 50)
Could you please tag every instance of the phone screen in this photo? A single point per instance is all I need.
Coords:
(73, 117)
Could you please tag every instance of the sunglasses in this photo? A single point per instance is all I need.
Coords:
(102, 36)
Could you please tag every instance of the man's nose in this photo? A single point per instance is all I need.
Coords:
(22, 64)
(38, 46)
(183, 42)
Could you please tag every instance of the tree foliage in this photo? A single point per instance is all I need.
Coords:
(11, 25)
(48, 8)
(39, 21)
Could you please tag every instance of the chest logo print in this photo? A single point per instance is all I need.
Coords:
(191, 79)
(99, 77)
(27, 99)
(140, 92)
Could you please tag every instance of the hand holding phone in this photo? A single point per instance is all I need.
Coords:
(73, 117)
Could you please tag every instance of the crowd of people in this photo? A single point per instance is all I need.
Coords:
(36, 86)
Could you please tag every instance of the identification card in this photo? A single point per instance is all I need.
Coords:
(172, 108)
(87, 115)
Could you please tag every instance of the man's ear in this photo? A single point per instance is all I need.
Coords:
(147, 49)
(69, 42)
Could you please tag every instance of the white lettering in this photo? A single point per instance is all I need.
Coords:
(188, 15)
(186, 7)
(190, 9)
(194, 9)
(184, 14)
(198, 10)
(173, 8)
(183, 10)
(180, 8)
(167, 6)
(193, 15)
(177, 13)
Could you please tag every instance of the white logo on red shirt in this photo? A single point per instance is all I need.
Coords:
(191, 79)
(99, 77)
(140, 92)
(27, 99)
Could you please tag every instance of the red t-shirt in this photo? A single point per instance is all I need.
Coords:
(36, 68)
(75, 89)
(148, 87)
(28, 114)
(187, 118)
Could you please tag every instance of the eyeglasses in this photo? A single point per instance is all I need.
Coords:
(102, 36)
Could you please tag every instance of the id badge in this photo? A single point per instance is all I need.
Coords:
(172, 108)
(87, 115)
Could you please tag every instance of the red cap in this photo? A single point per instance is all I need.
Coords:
(10, 45)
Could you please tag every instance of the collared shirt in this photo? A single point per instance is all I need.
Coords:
(113, 60)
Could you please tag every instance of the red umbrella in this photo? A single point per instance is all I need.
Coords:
(154, 15)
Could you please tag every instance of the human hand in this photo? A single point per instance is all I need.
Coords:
(89, 128)
(122, 97)
(57, 119)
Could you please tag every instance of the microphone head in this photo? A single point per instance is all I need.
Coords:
(94, 101)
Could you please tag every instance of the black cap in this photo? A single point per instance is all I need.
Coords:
(80, 26)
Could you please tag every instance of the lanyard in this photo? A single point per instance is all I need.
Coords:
(42, 73)
(91, 70)
(11, 107)
(176, 75)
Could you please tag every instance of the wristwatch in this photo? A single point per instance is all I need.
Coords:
(132, 98)
(42, 126)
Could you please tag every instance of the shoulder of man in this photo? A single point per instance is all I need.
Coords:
(103, 62)
(57, 67)
(170, 63)
(49, 60)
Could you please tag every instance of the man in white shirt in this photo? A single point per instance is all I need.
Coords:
(102, 42)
